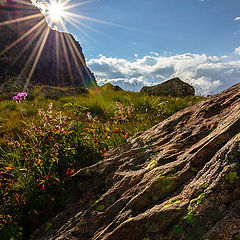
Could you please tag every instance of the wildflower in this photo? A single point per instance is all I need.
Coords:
(46, 177)
(17, 99)
(22, 95)
(70, 172)
(43, 188)
(89, 116)
(58, 128)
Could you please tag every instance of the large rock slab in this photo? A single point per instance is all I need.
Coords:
(174, 87)
(30, 48)
(178, 180)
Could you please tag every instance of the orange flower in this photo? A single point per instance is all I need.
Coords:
(70, 172)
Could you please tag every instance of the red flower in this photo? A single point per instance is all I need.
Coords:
(70, 172)
(46, 177)
(43, 188)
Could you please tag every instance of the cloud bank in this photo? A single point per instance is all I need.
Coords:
(208, 74)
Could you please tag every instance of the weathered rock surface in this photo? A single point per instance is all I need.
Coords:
(178, 180)
(31, 49)
(174, 87)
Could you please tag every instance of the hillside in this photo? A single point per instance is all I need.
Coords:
(177, 180)
(43, 142)
(31, 51)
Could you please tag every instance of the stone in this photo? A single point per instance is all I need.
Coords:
(174, 87)
(178, 180)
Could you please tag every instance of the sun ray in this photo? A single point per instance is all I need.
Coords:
(24, 2)
(37, 57)
(37, 15)
(76, 21)
(79, 56)
(57, 57)
(33, 53)
(22, 37)
(30, 42)
(99, 21)
(82, 31)
(57, 16)
(76, 4)
(71, 46)
(66, 56)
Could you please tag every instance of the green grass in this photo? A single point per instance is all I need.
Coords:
(43, 142)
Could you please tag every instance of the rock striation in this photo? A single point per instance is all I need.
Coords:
(174, 87)
(178, 180)
(31, 49)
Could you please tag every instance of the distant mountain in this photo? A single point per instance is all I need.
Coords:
(110, 86)
(174, 87)
(32, 51)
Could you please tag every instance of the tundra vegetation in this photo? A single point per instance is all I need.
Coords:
(43, 142)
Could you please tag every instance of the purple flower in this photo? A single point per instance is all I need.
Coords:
(22, 95)
(17, 98)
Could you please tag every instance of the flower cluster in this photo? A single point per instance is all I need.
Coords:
(20, 96)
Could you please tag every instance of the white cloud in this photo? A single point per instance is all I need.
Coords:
(237, 50)
(208, 74)
(237, 19)
(154, 53)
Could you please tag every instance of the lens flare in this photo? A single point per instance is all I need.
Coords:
(55, 11)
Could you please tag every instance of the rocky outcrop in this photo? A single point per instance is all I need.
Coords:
(29, 48)
(109, 86)
(178, 180)
(174, 87)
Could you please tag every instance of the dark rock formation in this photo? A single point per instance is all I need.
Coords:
(31, 49)
(174, 88)
(56, 93)
(178, 180)
(109, 86)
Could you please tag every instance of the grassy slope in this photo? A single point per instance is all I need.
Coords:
(149, 110)
(41, 152)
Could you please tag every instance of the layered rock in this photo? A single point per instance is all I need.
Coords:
(29, 48)
(178, 180)
(174, 87)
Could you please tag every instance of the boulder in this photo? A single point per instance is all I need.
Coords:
(178, 180)
(174, 87)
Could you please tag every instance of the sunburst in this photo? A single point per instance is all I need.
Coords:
(58, 14)
(56, 11)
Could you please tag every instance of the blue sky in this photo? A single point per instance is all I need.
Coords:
(147, 41)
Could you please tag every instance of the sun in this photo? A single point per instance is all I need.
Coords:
(55, 11)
